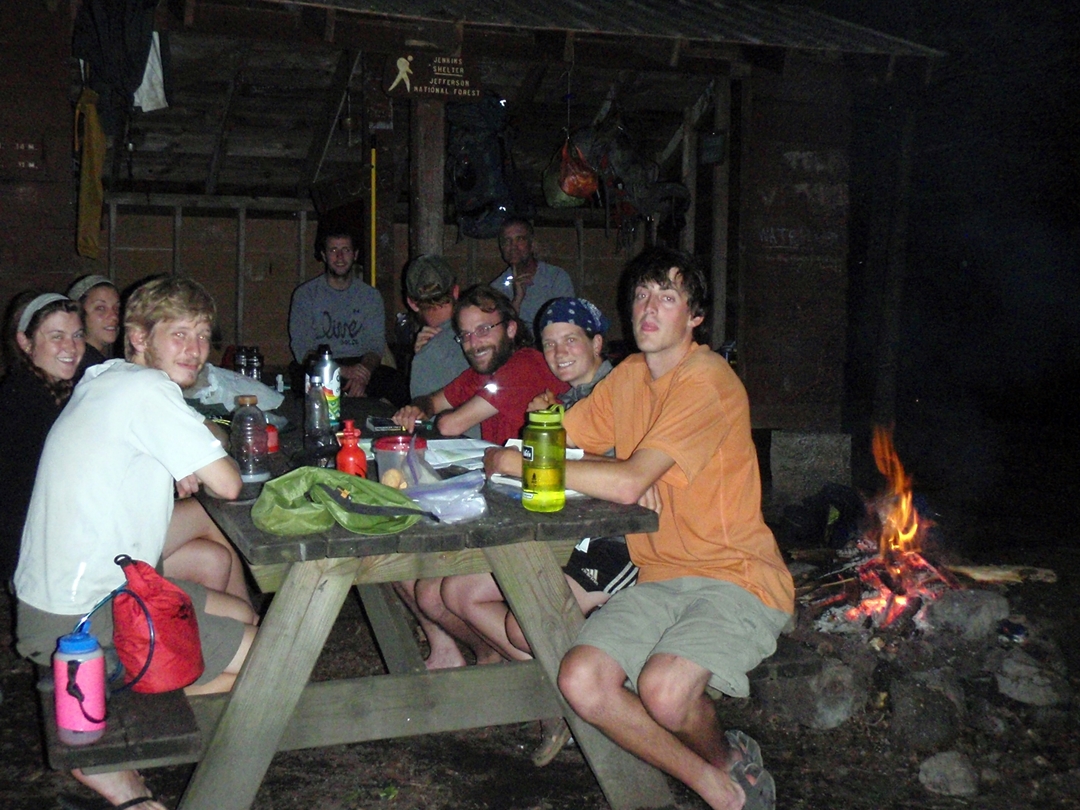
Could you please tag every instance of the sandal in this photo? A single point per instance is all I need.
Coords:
(556, 734)
(761, 793)
(749, 750)
(133, 802)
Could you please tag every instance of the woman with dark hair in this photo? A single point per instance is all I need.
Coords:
(99, 302)
(43, 350)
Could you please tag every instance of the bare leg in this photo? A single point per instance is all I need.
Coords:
(587, 601)
(444, 652)
(119, 787)
(221, 604)
(667, 726)
(430, 602)
(476, 600)
(212, 561)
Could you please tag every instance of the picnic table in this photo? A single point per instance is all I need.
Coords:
(273, 706)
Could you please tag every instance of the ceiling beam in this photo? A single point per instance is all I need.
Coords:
(222, 140)
(324, 131)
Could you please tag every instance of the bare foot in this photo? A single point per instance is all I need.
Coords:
(119, 787)
(445, 658)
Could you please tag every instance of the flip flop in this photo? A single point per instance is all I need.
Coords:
(761, 793)
(555, 736)
(133, 802)
(749, 750)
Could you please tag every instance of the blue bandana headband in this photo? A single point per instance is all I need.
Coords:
(577, 311)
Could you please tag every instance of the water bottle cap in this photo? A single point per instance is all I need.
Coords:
(247, 399)
(549, 417)
(75, 643)
(316, 379)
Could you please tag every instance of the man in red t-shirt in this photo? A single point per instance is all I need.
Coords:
(504, 375)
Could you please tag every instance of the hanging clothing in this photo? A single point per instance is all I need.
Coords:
(114, 37)
(90, 146)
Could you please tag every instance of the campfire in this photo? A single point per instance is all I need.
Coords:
(886, 580)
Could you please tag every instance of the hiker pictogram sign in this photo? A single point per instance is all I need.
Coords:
(419, 75)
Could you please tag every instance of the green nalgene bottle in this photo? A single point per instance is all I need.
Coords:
(543, 469)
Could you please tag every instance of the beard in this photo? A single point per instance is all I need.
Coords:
(494, 361)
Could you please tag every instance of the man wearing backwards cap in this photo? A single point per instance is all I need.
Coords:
(431, 290)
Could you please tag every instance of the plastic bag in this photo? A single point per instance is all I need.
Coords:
(551, 181)
(285, 506)
(220, 386)
(416, 470)
(576, 177)
(453, 500)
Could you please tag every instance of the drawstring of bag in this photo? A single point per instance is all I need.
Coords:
(83, 625)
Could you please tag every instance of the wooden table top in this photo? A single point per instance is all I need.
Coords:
(507, 521)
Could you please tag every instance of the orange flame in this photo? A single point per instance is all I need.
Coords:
(899, 520)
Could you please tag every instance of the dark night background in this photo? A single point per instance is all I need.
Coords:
(989, 356)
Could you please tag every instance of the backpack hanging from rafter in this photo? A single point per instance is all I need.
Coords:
(479, 166)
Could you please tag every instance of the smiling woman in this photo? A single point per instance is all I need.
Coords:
(42, 352)
(99, 302)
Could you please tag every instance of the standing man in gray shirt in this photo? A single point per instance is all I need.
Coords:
(348, 315)
(528, 282)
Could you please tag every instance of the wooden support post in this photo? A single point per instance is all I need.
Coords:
(269, 686)
(301, 246)
(721, 213)
(579, 231)
(689, 178)
(427, 156)
(241, 260)
(112, 241)
(537, 593)
(178, 223)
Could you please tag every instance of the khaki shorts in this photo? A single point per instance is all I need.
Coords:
(716, 624)
(37, 632)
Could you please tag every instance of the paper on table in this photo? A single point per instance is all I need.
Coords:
(467, 453)
(514, 481)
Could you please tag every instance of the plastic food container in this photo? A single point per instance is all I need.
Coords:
(390, 453)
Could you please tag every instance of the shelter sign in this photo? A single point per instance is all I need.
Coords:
(425, 76)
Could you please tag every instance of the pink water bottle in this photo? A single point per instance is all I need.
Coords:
(79, 676)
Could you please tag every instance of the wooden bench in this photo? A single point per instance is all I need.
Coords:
(142, 731)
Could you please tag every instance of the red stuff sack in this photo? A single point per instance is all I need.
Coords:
(155, 631)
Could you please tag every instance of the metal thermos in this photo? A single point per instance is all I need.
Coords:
(327, 369)
(543, 469)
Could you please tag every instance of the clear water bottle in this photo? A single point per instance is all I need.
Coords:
(254, 363)
(247, 440)
(79, 679)
(319, 439)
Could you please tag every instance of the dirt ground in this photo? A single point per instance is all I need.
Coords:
(1035, 763)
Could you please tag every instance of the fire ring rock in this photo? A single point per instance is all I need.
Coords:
(973, 614)
(950, 774)
(1023, 679)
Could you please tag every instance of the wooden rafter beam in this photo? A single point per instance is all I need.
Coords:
(693, 116)
(222, 140)
(347, 64)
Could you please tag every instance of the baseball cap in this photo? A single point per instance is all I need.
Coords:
(428, 277)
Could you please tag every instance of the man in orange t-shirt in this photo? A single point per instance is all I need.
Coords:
(713, 592)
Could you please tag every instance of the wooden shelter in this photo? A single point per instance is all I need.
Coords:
(279, 114)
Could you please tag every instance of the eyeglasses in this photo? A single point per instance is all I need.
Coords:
(480, 332)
